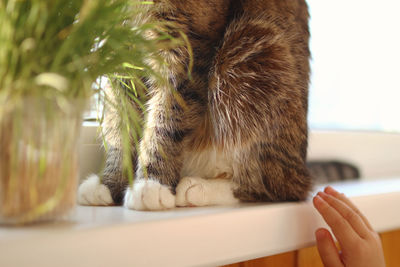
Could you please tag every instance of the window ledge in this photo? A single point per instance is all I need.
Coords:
(114, 236)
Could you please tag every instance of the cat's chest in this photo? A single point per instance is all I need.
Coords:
(209, 163)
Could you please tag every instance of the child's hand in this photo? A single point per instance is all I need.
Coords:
(360, 244)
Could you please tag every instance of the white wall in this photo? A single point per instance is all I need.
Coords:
(377, 154)
(91, 153)
(355, 64)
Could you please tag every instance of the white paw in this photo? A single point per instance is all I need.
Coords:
(191, 191)
(93, 193)
(149, 195)
(195, 191)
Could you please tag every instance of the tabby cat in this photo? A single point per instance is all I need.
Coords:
(243, 133)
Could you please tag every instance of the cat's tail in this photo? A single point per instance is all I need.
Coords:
(92, 192)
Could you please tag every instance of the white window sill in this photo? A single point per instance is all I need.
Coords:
(115, 236)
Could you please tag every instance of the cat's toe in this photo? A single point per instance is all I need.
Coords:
(196, 195)
(149, 195)
(152, 196)
(191, 192)
(93, 193)
(167, 199)
(133, 201)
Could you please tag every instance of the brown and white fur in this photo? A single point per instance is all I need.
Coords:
(242, 135)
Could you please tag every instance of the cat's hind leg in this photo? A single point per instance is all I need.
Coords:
(265, 171)
(258, 106)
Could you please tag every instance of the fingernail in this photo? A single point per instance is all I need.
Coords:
(330, 190)
(318, 200)
(320, 233)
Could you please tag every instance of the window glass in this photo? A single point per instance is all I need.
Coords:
(355, 83)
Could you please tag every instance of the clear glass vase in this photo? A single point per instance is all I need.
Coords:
(38, 158)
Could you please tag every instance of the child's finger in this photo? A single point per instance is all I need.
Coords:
(348, 214)
(327, 248)
(340, 227)
(329, 190)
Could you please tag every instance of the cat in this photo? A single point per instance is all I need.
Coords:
(242, 135)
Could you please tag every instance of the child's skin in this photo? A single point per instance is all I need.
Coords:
(360, 244)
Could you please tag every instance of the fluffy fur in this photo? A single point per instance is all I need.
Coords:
(244, 123)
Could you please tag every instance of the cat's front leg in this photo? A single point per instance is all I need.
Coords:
(158, 170)
(109, 188)
(157, 174)
(171, 118)
(160, 154)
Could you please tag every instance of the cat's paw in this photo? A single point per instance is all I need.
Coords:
(148, 194)
(191, 191)
(195, 191)
(93, 193)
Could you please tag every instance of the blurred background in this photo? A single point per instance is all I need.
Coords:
(355, 82)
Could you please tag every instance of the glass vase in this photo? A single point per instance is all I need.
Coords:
(38, 158)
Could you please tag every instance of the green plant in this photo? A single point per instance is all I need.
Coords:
(62, 46)
(55, 50)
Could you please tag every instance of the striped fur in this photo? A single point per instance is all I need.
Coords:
(332, 171)
(246, 102)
